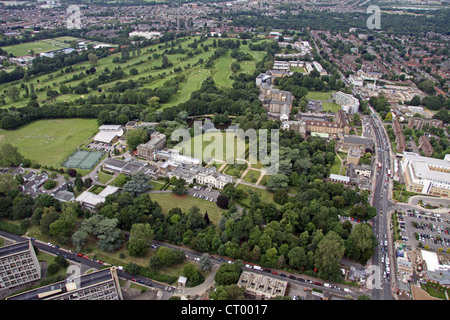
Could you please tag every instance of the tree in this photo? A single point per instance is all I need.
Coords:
(10, 156)
(280, 196)
(13, 93)
(138, 184)
(205, 262)
(328, 256)
(297, 258)
(361, 243)
(222, 201)
(8, 183)
(231, 292)
(227, 274)
(180, 187)
(137, 248)
(136, 137)
(277, 181)
(141, 236)
(93, 59)
(191, 273)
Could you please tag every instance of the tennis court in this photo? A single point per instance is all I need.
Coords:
(83, 159)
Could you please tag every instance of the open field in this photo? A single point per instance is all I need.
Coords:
(318, 95)
(50, 142)
(37, 47)
(169, 201)
(225, 147)
(331, 107)
(150, 75)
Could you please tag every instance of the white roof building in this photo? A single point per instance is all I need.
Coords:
(427, 172)
(107, 133)
(90, 199)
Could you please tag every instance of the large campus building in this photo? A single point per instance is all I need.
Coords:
(109, 133)
(426, 175)
(18, 265)
(347, 102)
(98, 285)
(157, 142)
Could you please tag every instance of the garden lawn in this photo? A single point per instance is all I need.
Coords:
(169, 201)
(318, 95)
(50, 142)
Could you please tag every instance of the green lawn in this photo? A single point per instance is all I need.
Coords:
(50, 142)
(217, 149)
(336, 167)
(331, 107)
(145, 63)
(266, 196)
(318, 95)
(252, 176)
(104, 177)
(37, 46)
(169, 201)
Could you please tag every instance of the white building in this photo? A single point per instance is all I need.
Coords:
(426, 175)
(348, 102)
(145, 34)
(319, 68)
(109, 133)
(90, 200)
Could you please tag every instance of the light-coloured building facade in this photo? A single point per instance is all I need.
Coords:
(98, 285)
(426, 175)
(18, 265)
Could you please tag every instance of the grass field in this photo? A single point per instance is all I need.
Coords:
(211, 147)
(331, 107)
(169, 201)
(265, 196)
(37, 46)
(50, 142)
(145, 63)
(318, 95)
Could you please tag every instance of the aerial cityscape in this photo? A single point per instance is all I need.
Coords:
(246, 151)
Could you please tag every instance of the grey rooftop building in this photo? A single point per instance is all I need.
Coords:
(18, 265)
(98, 285)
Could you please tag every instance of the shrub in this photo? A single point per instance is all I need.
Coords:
(50, 184)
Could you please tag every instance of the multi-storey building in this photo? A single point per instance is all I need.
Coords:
(157, 142)
(399, 137)
(98, 285)
(419, 123)
(425, 146)
(18, 265)
(426, 175)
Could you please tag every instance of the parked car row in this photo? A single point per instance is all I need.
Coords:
(292, 277)
(200, 196)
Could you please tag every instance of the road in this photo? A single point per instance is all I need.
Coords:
(380, 200)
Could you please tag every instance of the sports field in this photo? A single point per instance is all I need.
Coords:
(40, 46)
(50, 142)
(83, 159)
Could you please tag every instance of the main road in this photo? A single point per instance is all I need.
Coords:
(380, 200)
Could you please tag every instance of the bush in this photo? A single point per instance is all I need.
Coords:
(53, 268)
(222, 201)
(50, 184)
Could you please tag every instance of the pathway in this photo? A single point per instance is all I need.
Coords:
(200, 289)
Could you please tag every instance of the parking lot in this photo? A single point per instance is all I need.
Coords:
(100, 146)
(204, 193)
(426, 228)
